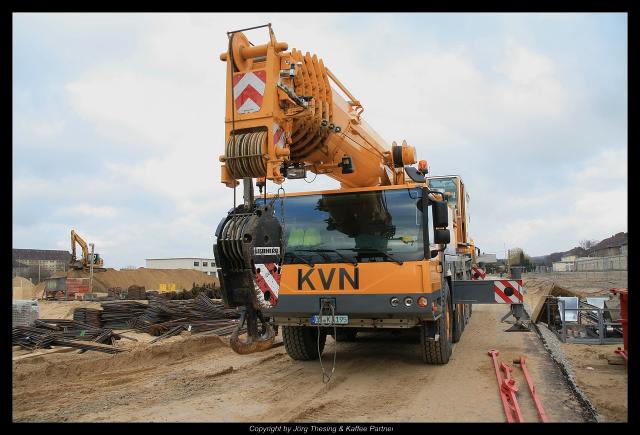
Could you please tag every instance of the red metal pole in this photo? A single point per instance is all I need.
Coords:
(503, 397)
(532, 390)
(510, 389)
(624, 319)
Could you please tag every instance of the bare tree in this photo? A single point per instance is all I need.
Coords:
(587, 244)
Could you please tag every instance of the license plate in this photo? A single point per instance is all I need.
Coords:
(327, 320)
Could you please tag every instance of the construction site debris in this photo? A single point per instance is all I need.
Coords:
(136, 292)
(200, 314)
(46, 333)
(118, 314)
(89, 316)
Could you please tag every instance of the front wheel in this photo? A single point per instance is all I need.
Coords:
(438, 351)
(301, 342)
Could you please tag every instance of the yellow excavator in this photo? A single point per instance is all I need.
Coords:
(389, 249)
(86, 260)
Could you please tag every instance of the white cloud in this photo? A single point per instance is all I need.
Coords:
(87, 210)
(492, 123)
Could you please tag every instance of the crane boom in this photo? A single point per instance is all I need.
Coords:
(284, 114)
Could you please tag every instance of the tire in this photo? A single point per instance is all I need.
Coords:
(458, 323)
(438, 352)
(301, 342)
(346, 334)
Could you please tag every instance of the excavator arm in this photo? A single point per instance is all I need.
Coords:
(86, 260)
(75, 238)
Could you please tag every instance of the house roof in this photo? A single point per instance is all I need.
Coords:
(41, 254)
(612, 242)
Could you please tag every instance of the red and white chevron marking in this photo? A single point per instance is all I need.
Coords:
(248, 90)
(477, 273)
(501, 286)
(278, 135)
(268, 280)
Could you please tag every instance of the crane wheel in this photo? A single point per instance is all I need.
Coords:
(301, 342)
(458, 323)
(438, 352)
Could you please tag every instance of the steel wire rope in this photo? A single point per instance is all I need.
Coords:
(326, 378)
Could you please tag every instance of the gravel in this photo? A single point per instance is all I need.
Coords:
(554, 347)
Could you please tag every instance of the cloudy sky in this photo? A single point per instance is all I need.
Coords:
(118, 121)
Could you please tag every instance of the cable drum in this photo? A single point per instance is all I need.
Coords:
(230, 240)
(247, 157)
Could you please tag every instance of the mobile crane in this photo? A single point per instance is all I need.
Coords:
(389, 249)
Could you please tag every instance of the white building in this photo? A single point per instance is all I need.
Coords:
(206, 265)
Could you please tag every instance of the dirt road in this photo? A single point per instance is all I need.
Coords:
(379, 377)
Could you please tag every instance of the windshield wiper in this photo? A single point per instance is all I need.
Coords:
(346, 259)
(379, 251)
(307, 262)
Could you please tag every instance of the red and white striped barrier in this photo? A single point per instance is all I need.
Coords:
(268, 280)
(508, 291)
(477, 273)
(248, 90)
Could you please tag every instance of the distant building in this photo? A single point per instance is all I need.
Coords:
(614, 245)
(206, 265)
(19, 269)
(486, 258)
(38, 264)
(564, 266)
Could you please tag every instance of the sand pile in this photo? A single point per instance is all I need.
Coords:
(63, 309)
(23, 289)
(149, 278)
(142, 357)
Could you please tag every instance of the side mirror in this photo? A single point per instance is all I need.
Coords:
(441, 236)
(440, 214)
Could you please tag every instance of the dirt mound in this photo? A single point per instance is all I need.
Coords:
(62, 309)
(142, 357)
(23, 289)
(149, 278)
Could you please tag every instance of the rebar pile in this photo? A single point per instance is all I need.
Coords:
(69, 333)
(136, 292)
(118, 314)
(200, 314)
(89, 316)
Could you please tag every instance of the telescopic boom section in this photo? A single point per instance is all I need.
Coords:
(284, 117)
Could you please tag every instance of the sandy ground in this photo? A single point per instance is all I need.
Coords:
(379, 377)
(604, 384)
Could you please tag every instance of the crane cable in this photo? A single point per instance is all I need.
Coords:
(326, 378)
